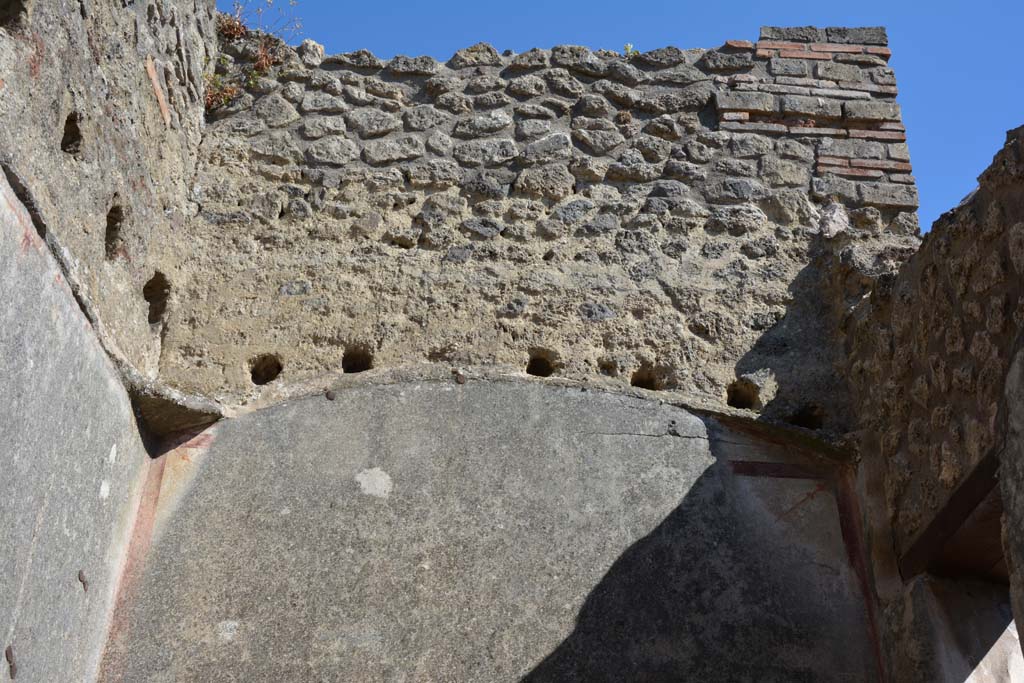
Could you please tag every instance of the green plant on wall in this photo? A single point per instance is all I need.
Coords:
(269, 23)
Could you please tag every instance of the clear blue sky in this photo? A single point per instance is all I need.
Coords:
(959, 65)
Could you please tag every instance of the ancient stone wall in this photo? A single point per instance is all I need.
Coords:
(650, 220)
(931, 346)
(929, 354)
(100, 118)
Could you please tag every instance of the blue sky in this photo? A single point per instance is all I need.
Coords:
(958, 64)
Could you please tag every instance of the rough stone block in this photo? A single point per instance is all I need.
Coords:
(835, 71)
(868, 35)
(861, 149)
(829, 188)
(779, 66)
(744, 101)
(797, 34)
(872, 111)
(810, 106)
(390, 150)
(889, 195)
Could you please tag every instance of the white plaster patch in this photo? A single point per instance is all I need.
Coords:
(375, 482)
(226, 630)
(104, 489)
(112, 458)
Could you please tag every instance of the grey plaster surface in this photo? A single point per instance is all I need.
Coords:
(69, 467)
(487, 531)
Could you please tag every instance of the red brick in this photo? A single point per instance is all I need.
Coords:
(764, 54)
(892, 136)
(752, 127)
(831, 132)
(792, 54)
(836, 47)
(833, 161)
(884, 165)
(735, 116)
(880, 51)
(780, 45)
(740, 44)
(856, 172)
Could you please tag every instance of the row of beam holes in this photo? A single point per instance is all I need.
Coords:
(745, 396)
(542, 364)
(266, 367)
(157, 289)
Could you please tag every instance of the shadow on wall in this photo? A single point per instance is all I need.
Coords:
(799, 354)
(746, 580)
(804, 353)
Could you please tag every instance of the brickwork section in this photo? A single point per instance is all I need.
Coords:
(814, 87)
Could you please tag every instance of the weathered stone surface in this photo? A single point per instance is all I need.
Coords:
(889, 195)
(736, 220)
(531, 59)
(872, 111)
(837, 72)
(276, 147)
(481, 54)
(485, 152)
(578, 58)
(275, 110)
(360, 59)
(371, 123)
(811, 106)
(413, 66)
(482, 124)
(599, 141)
(482, 228)
(555, 147)
(551, 478)
(781, 66)
(311, 53)
(744, 101)
(321, 102)
(334, 151)
(872, 35)
(735, 190)
(551, 182)
(424, 117)
(800, 34)
(435, 173)
(390, 150)
(314, 127)
(632, 166)
(73, 462)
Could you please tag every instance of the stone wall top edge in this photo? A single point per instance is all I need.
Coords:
(485, 54)
(850, 35)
